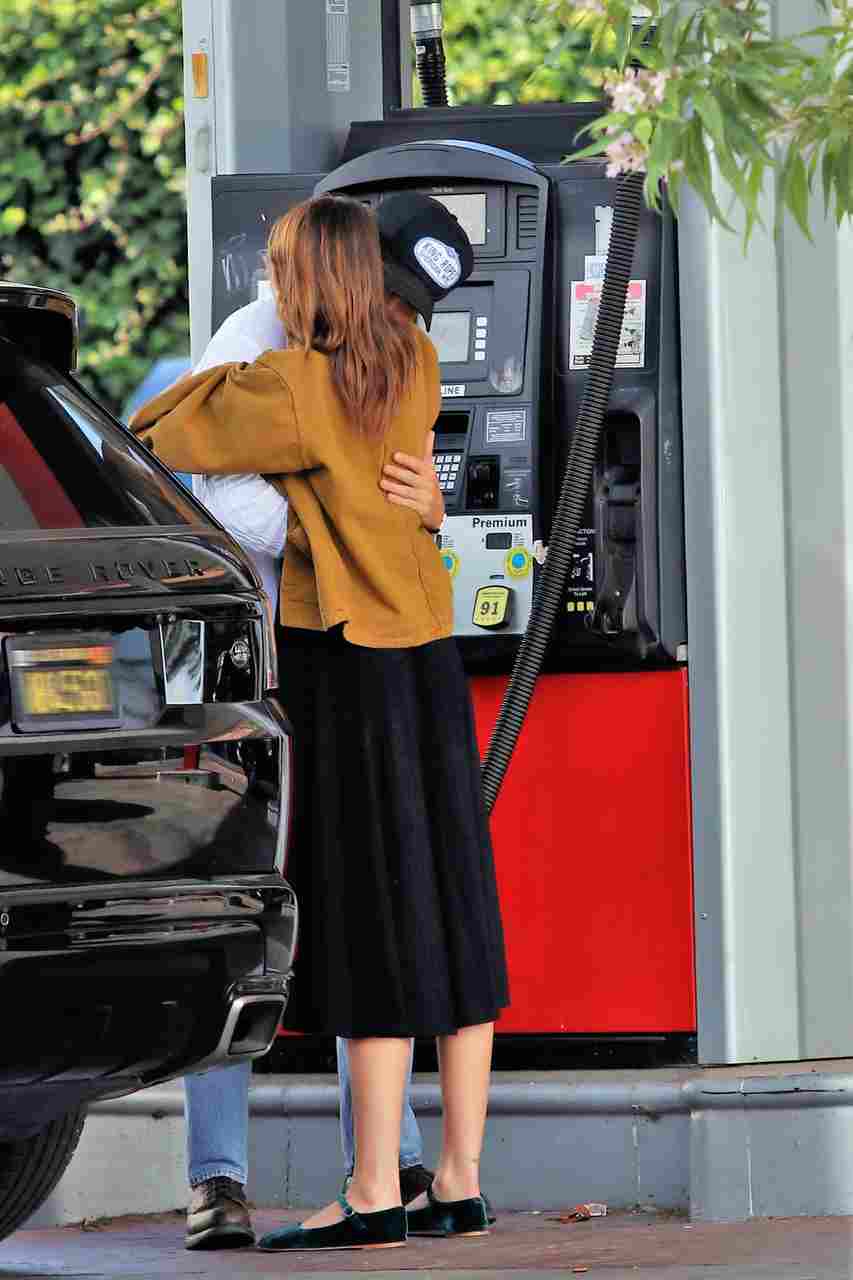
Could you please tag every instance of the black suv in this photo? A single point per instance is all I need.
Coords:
(145, 926)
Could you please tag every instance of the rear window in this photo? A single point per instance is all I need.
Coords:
(65, 465)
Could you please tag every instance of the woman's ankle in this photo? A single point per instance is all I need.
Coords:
(369, 1196)
(457, 1181)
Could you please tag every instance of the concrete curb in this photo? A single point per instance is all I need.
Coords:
(319, 1097)
(723, 1145)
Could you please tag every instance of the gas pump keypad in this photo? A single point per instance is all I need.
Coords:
(447, 469)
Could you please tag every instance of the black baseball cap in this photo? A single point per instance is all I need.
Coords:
(425, 251)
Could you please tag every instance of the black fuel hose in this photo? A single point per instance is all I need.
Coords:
(574, 491)
(430, 66)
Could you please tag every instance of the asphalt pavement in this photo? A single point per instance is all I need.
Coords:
(621, 1246)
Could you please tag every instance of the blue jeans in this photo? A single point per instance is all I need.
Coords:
(411, 1144)
(217, 1114)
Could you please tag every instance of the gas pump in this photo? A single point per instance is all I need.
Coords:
(514, 345)
(592, 829)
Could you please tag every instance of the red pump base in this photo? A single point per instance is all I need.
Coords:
(592, 843)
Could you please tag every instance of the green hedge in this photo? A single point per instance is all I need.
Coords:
(504, 51)
(92, 173)
(92, 153)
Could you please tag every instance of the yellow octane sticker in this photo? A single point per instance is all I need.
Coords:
(450, 560)
(491, 606)
(518, 561)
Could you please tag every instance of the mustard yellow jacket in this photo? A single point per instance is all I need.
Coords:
(351, 556)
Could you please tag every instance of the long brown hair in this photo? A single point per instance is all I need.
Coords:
(326, 269)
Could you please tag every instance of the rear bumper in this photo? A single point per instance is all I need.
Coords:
(116, 991)
(146, 929)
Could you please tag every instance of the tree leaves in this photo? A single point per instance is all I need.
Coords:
(794, 190)
(504, 51)
(92, 166)
(738, 103)
(92, 173)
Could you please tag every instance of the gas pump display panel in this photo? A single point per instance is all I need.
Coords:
(480, 334)
(470, 211)
(451, 336)
(481, 212)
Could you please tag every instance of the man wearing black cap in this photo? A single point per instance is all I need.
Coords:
(425, 251)
(425, 254)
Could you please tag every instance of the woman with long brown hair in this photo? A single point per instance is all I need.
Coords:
(392, 864)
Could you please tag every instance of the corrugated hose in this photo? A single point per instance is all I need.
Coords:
(574, 490)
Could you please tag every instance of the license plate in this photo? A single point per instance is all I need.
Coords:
(62, 682)
(66, 691)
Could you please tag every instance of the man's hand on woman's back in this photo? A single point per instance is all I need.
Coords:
(411, 482)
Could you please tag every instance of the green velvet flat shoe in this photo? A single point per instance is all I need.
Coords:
(449, 1217)
(385, 1229)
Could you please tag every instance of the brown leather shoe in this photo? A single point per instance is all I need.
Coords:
(218, 1216)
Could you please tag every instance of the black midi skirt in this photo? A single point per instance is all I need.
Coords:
(390, 857)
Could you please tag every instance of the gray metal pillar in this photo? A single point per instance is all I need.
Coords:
(768, 397)
(284, 80)
(739, 665)
(817, 404)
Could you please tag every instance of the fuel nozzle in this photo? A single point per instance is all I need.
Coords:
(427, 27)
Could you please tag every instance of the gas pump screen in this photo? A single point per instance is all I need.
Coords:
(470, 209)
(451, 335)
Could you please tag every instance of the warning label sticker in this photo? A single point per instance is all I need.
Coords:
(506, 426)
(338, 46)
(586, 299)
(338, 77)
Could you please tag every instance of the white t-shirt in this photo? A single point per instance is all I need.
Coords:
(251, 510)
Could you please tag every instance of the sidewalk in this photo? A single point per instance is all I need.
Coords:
(624, 1246)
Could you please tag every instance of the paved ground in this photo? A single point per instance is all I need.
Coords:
(620, 1247)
